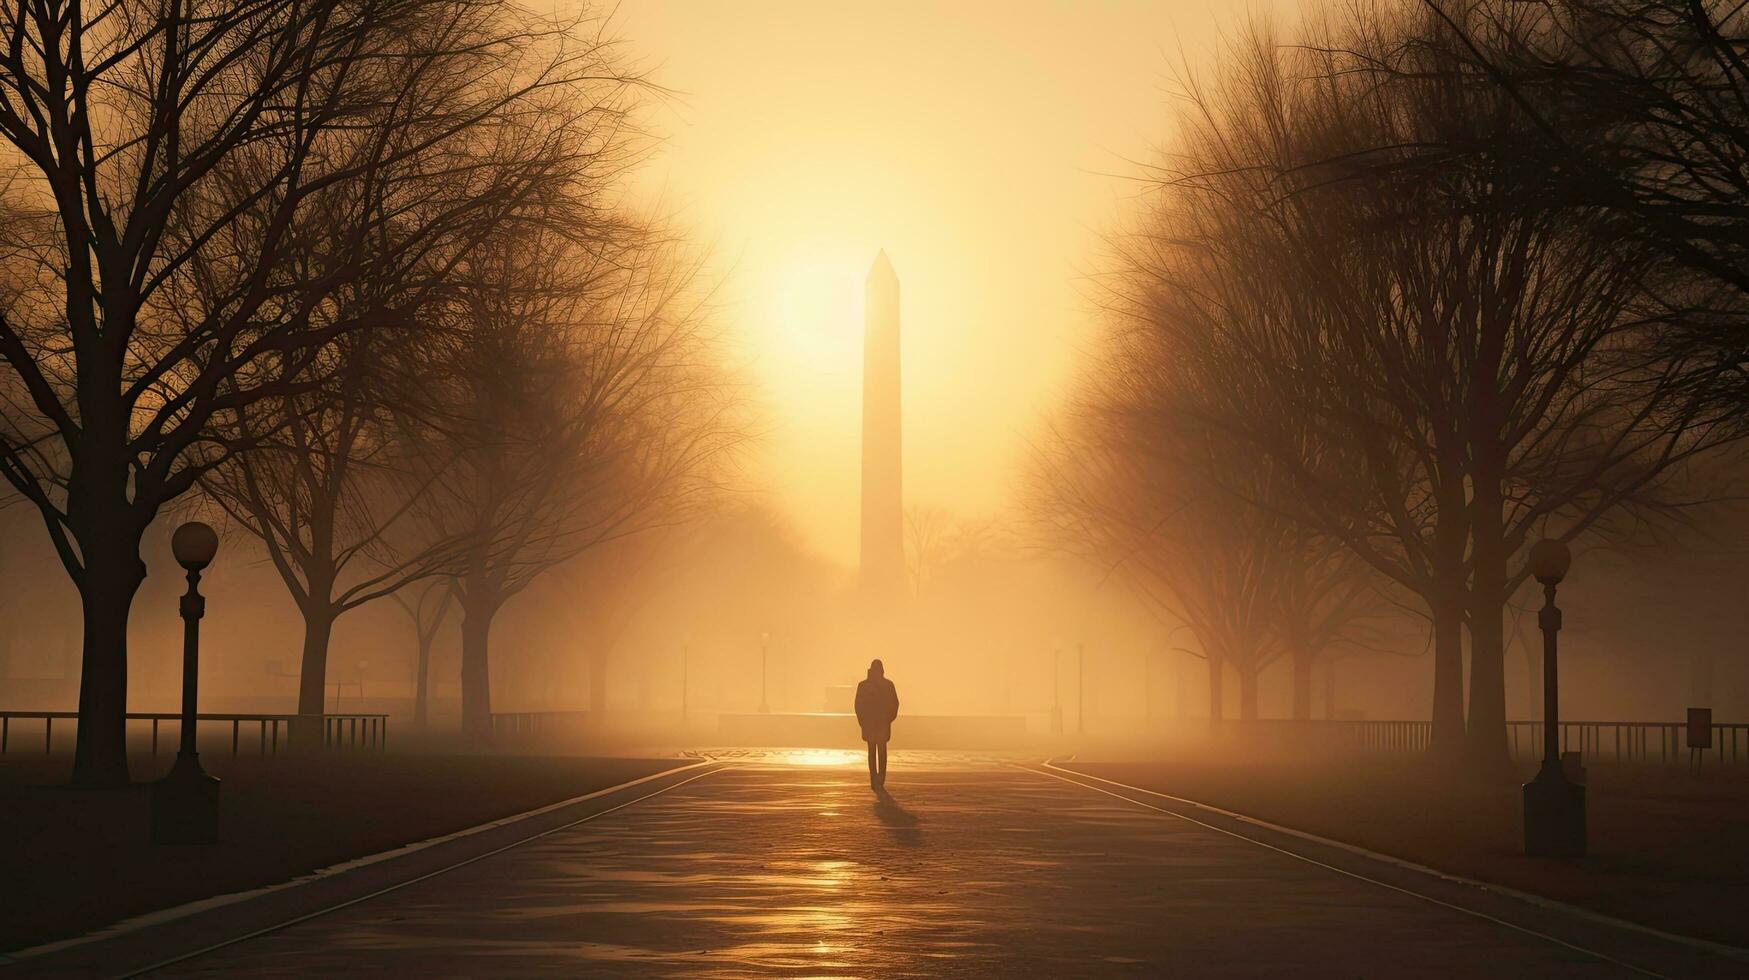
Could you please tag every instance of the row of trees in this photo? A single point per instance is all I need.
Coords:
(1428, 283)
(358, 273)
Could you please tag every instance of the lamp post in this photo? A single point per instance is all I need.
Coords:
(764, 656)
(185, 803)
(1554, 807)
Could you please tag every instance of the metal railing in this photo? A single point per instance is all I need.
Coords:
(1384, 736)
(1631, 741)
(1603, 741)
(339, 731)
(1394, 736)
(534, 722)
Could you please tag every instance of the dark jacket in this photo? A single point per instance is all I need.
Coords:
(877, 704)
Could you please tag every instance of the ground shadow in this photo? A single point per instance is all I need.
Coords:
(900, 822)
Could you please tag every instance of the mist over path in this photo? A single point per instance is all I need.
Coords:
(786, 864)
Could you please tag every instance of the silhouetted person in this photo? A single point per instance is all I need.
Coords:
(877, 704)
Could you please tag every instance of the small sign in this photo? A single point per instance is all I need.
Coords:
(1700, 728)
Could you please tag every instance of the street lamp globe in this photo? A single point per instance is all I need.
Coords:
(1549, 561)
(194, 544)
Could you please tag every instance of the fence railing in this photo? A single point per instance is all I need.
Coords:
(339, 731)
(1631, 741)
(1400, 736)
(535, 722)
(1318, 734)
(1603, 741)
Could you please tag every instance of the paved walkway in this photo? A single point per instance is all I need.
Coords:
(765, 869)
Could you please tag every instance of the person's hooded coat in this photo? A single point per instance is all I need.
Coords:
(877, 704)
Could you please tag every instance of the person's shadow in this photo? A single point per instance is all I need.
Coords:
(900, 822)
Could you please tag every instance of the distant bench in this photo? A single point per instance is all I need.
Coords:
(833, 730)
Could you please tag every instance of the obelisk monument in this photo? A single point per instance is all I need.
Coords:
(882, 566)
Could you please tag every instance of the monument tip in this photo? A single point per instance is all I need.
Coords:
(882, 268)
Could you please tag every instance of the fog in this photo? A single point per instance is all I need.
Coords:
(1160, 423)
(480, 479)
(1649, 632)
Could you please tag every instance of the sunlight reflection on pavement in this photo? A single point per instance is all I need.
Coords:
(785, 864)
(901, 759)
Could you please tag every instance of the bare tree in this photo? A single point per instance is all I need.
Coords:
(428, 612)
(326, 496)
(619, 581)
(926, 530)
(1325, 602)
(328, 484)
(582, 407)
(1162, 499)
(1216, 285)
(1566, 429)
(163, 156)
(1437, 363)
(1638, 107)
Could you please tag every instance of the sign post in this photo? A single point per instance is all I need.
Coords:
(1700, 735)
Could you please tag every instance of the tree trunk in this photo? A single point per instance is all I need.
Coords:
(107, 527)
(1330, 689)
(1147, 691)
(1446, 605)
(1248, 694)
(113, 573)
(1447, 611)
(1216, 696)
(1487, 403)
(1181, 690)
(313, 669)
(476, 657)
(1485, 743)
(422, 684)
(598, 685)
(1304, 661)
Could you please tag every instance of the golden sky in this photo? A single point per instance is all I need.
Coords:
(980, 143)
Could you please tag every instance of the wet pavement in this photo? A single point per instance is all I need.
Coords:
(785, 864)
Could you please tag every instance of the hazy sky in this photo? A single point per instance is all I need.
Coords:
(980, 144)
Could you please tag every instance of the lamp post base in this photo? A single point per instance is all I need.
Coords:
(1554, 815)
(185, 804)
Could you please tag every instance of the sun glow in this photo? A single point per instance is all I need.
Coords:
(819, 309)
(976, 152)
(818, 757)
